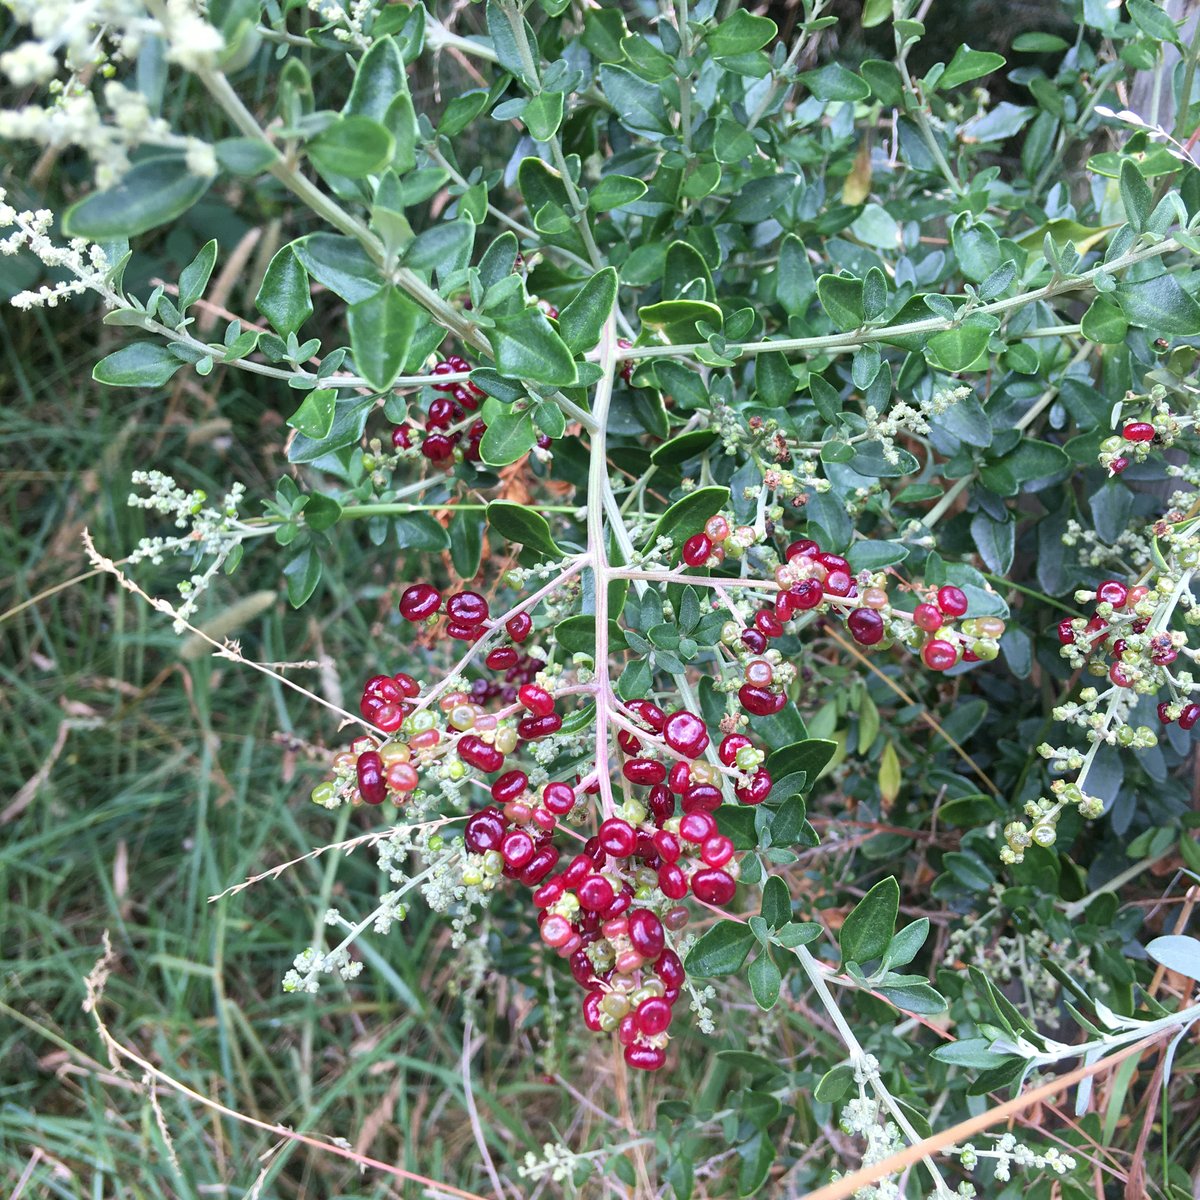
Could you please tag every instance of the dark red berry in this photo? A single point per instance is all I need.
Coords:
(754, 641)
(467, 608)
(730, 744)
(952, 600)
(760, 701)
(474, 750)
(402, 437)
(646, 933)
(672, 882)
(371, 785)
(696, 550)
(559, 798)
(509, 786)
(420, 602)
(501, 658)
(437, 447)
(653, 1016)
(617, 837)
(680, 776)
(484, 831)
(866, 626)
(1189, 716)
(697, 826)
(804, 548)
(592, 1010)
(1118, 464)
(517, 849)
(650, 714)
(1066, 631)
(532, 728)
(939, 655)
(757, 790)
(519, 626)
(1163, 715)
(717, 850)
(595, 893)
(645, 1058)
(536, 699)
(807, 594)
(669, 969)
(767, 623)
(1138, 431)
(686, 733)
(838, 583)
(702, 797)
(1113, 592)
(713, 886)
(645, 771)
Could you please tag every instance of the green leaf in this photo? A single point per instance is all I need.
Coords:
(968, 64)
(1177, 953)
(773, 379)
(757, 1155)
(419, 531)
(834, 1084)
(867, 931)
(956, 349)
(580, 323)
(349, 421)
(874, 556)
(140, 364)
(1160, 305)
(765, 981)
(915, 998)
(995, 541)
(638, 104)
(687, 516)
(904, 947)
(466, 541)
(795, 285)
(1039, 43)
(509, 436)
(516, 523)
(842, 298)
(1153, 21)
(245, 156)
(1136, 196)
(1104, 323)
(835, 82)
(193, 279)
(721, 950)
(340, 264)
(353, 146)
(314, 417)
(790, 826)
(303, 573)
(776, 907)
(679, 449)
(799, 933)
(742, 33)
(543, 115)
(677, 318)
(151, 193)
(614, 191)
(969, 1052)
(527, 348)
(284, 297)
(382, 329)
(809, 756)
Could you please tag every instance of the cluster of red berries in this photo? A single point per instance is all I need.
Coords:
(1134, 434)
(442, 437)
(1110, 631)
(809, 579)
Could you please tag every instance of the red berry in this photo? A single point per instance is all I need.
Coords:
(539, 866)
(437, 447)
(808, 593)
(556, 931)
(474, 750)
(645, 1058)
(441, 414)
(697, 826)
(519, 626)
(838, 583)
(419, 602)
(759, 700)
(484, 831)
(696, 550)
(549, 893)
(559, 798)
(371, 785)
(1113, 592)
(717, 850)
(443, 368)
(645, 771)
(467, 608)
(731, 743)
(595, 893)
(672, 882)
(578, 869)
(702, 797)
(1138, 431)
(1066, 631)
(650, 714)
(617, 837)
(833, 562)
(517, 849)
(464, 633)
(592, 1010)
(952, 600)
(501, 658)
(1118, 465)
(767, 623)
(757, 790)
(1121, 677)
(509, 786)
(407, 684)
(680, 775)
(667, 845)
(866, 626)
(1163, 715)
(653, 1016)
(1189, 716)
(939, 655)
(661, 803)
(402, 437)
(536, 699)
(713, 886)
(532, 728)
(927, 617)
(754, 641)
(686, 733)
(646, 933)
(804, 548)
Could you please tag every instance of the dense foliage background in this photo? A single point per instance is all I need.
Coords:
(143, 775)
